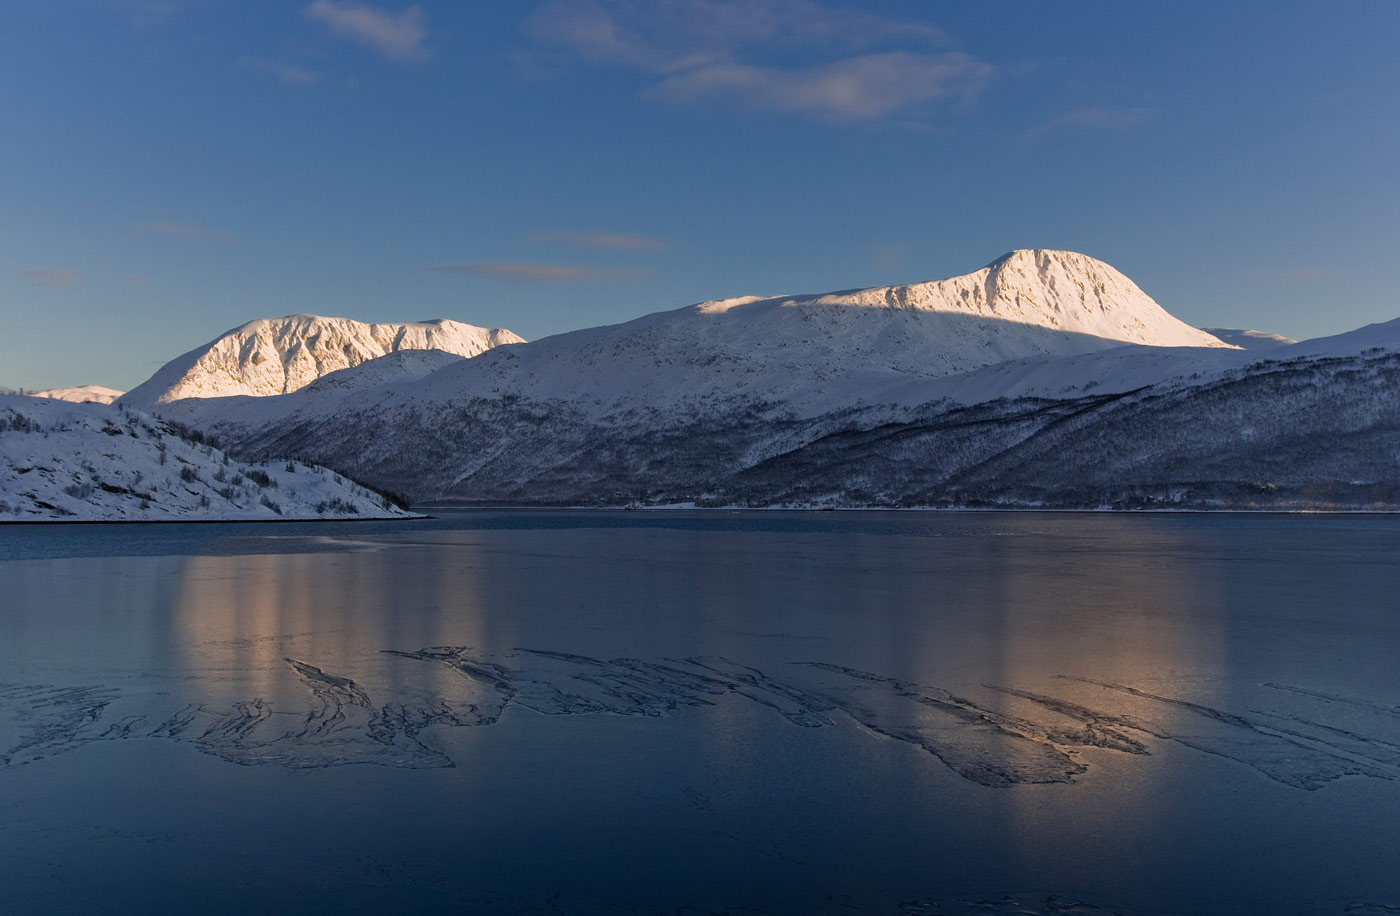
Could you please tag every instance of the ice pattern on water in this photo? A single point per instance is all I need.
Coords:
(991, 735)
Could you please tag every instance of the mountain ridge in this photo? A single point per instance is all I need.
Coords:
(813, 352)
(272, 356)
(720, 385)
(79, 394)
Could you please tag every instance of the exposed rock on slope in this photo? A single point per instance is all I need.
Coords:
(93, 462)
(273, 356)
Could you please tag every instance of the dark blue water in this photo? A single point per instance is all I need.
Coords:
(675, 712)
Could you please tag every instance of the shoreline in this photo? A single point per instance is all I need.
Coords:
(209, 521)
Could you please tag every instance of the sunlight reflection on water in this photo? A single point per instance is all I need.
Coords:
(868, 708)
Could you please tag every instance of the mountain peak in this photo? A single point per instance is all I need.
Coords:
(1056, 290)
(81, 394)
(270, 356)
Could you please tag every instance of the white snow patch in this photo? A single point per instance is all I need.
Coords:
(1250, 340)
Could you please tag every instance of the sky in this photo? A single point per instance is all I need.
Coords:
(170, 169)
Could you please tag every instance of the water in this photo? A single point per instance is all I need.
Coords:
(746, 713)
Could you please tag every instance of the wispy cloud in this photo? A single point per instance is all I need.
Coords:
(863, 66)
(396, 35)
(287, 73)
(610, 241)
(865, 87)
(531, 272)
(52, 278)
(1098, 118)
(666, 35)
(179, 230)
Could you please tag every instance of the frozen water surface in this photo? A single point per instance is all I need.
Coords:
(703, 713)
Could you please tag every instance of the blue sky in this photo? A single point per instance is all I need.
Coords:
(171, 169)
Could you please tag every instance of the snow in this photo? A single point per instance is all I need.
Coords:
(1041, 322)
(63, 461)
(1382, 336)
(660, 405)
(84, 394)
(403, 366)
(1059, 290)
(1250, 340)
(273, 356)
(808, 354)
(815, 353)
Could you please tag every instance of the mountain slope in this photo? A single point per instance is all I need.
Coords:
(1257, 341)
(1315, 431)
(803, 354)
(1318, 432)
(93, 462)
(272, 356)
(814, 353)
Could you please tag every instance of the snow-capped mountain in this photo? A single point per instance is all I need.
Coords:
(806, 354)
(1047, 378)
(814, 353)
(93, 462)
(83, 394)
(272, 356)
(731, 381)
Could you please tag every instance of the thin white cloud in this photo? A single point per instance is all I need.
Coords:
(858, 88)
(1098, 118)
(179, 230)
(51, 278)
(532, 272)
(287, 73)
(396, 35)
(666, 35)
(612, 241)
(860, 66)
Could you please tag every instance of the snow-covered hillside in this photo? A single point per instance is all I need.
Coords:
(807, 355)
(1308, 432)
(1046, 378)
(83, 394)
(1256, 341)
(91, 462)
(273, 356)
(784, 369)
(812, 354)
(898, 395)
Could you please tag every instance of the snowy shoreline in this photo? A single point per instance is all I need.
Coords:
(66, 462)
(213, 521)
